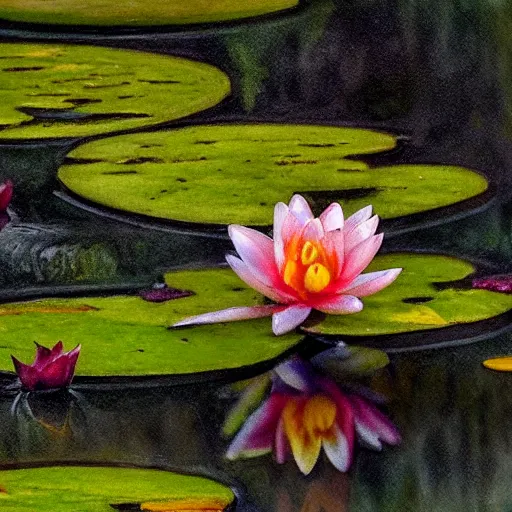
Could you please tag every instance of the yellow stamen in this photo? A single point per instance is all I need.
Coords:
(290, 270)
(319, 414)
(317, 278)
(309, 254)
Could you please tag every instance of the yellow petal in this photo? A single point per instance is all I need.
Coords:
(500, 364)
(317, 278)
(305, 446)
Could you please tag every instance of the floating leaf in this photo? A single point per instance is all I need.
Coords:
(128, 336)
(136, 12)
(500, 364)
(202, 167)
(73, 91)
(97, 489)
(414, 302)
(345, 362)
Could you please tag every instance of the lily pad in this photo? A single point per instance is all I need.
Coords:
(64, 90)
(96, 489)
(236, 173)
(418, 300)
(128, 336)
(136, 12)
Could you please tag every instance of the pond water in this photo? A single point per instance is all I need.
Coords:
(436, 76)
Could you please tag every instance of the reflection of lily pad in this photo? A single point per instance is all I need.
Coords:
(414, 303)
(235, 174)
(136, 12)
(97, 489)
(72, 91)
(128, 336)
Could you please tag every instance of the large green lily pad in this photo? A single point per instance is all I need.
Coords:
(136, 12)
(96, 489)
(236, 173)
(127, 336)
(51, 90)
(414, 303)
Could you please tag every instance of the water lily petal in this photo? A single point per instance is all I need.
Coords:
(372, 419)
(281, 211)
(305, 447)
(372, 282)
(339, 305)
(282, 444)
(244, 273)
(361, 232)
(358, 217)
(28, 375)
(500, 364)
(334, 243)
(45, 355)
(344, 414)
(258, 432)
(300, 209)
(360, 257)
(313, 231)
(287, 319)
(338, 450)
(297, 374)
(58, 373)
(6, 190)
(229, 315)
(257, 252)
(368, 437)
(332, 217)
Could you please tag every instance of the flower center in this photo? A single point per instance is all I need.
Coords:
(319, 414)
(317, 278)
(306, 270)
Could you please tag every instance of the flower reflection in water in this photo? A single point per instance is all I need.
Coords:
(307, 412)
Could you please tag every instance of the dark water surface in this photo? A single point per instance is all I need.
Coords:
(437, 72)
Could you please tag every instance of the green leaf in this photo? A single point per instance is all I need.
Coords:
(236, 173)
(96, 489)
(414, 303)
(127, 336)
(65, 90)
(136, 12)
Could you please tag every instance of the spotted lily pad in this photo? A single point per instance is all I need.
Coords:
(98, 489)
(136, 12)
(236, 173)
(419, 299)
(51, 90)
(128, 336)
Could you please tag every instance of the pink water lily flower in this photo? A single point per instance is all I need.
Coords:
(6, 190)
(52, 368)
(307, 412)
(312, 263)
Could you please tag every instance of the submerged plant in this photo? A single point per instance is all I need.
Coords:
(51, 369)
(312, 263)
(307, 411)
